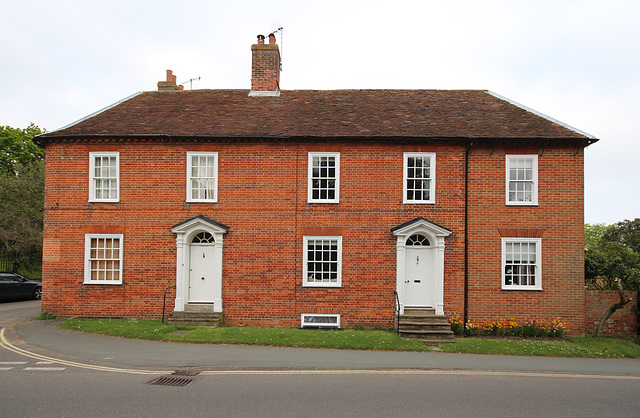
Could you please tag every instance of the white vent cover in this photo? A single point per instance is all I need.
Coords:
(320, 320)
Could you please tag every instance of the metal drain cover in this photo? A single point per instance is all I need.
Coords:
(170, 381)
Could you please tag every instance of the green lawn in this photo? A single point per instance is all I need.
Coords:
(608, 347)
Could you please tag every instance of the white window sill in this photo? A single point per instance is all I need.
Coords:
(522, 204)
(105, 282)
(325, 285)
(521, 288)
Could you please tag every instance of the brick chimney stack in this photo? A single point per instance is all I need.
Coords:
(265, 67)
(170, 84)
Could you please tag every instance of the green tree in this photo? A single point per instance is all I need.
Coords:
(21, 195)
(613, 252)
(21, 209)
(593, 233)
(627, 233)
(17, 147)
(612, 261)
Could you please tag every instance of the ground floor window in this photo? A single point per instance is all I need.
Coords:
(320, 320)
(103, 258)
(521, 263)
(323, 261)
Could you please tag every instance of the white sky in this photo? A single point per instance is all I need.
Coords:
(576, 61)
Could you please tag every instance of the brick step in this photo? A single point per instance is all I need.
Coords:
(429, 319)
(419, 311)
(434, 340)
(423, 327)
(422, 324)
(422, 332)
(185, 314)
(429, 336)
(196, 319)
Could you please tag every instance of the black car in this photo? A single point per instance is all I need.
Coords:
(14, 286)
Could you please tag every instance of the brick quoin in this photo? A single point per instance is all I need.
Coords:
(263, 199)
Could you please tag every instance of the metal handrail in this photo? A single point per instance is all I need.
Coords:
(164, 300)
(397, 312)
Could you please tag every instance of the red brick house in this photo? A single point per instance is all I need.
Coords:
(284, 208)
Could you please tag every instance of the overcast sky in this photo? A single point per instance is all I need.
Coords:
(576, 61)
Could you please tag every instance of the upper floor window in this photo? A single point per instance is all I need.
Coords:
(202, 176)
(521, 258)
(522, 179)
(104, 173)
(419, 177)
(103, 258)
(324, 177)
(323, 261)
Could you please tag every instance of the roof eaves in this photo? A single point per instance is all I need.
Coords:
(542, 115)
(96, 113)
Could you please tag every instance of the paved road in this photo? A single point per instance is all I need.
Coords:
(44, 338)
(12, 313)
(48, 371)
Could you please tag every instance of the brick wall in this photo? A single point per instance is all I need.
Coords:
(623, 323)
(557, 220)
(263, 199)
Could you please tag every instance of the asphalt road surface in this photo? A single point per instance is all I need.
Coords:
(33, 386)
(12, 313)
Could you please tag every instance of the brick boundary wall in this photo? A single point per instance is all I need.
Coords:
(623, 323)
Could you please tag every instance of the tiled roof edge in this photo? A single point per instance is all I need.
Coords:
(542, 115)
(96, 113)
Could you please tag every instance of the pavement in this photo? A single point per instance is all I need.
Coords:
(43, 339)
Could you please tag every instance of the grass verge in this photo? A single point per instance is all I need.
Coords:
(607, 347)
(588, 346)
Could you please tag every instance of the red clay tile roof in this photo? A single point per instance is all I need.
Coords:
(321, 113)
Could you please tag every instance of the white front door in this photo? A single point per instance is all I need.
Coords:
(418, 277)
(201, 273)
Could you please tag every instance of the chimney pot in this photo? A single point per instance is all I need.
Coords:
(170, 84)
(261, 39)
(272, 38)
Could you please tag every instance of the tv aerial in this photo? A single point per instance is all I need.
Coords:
(190, 81)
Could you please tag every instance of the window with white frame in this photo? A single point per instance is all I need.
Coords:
(522, 179)
(202, 176)
(104, 173)
(324, 177)
(103, 258)
(419, 177)
(521, 259)
(322, 261)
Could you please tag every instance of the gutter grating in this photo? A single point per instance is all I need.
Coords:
(170, 381)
